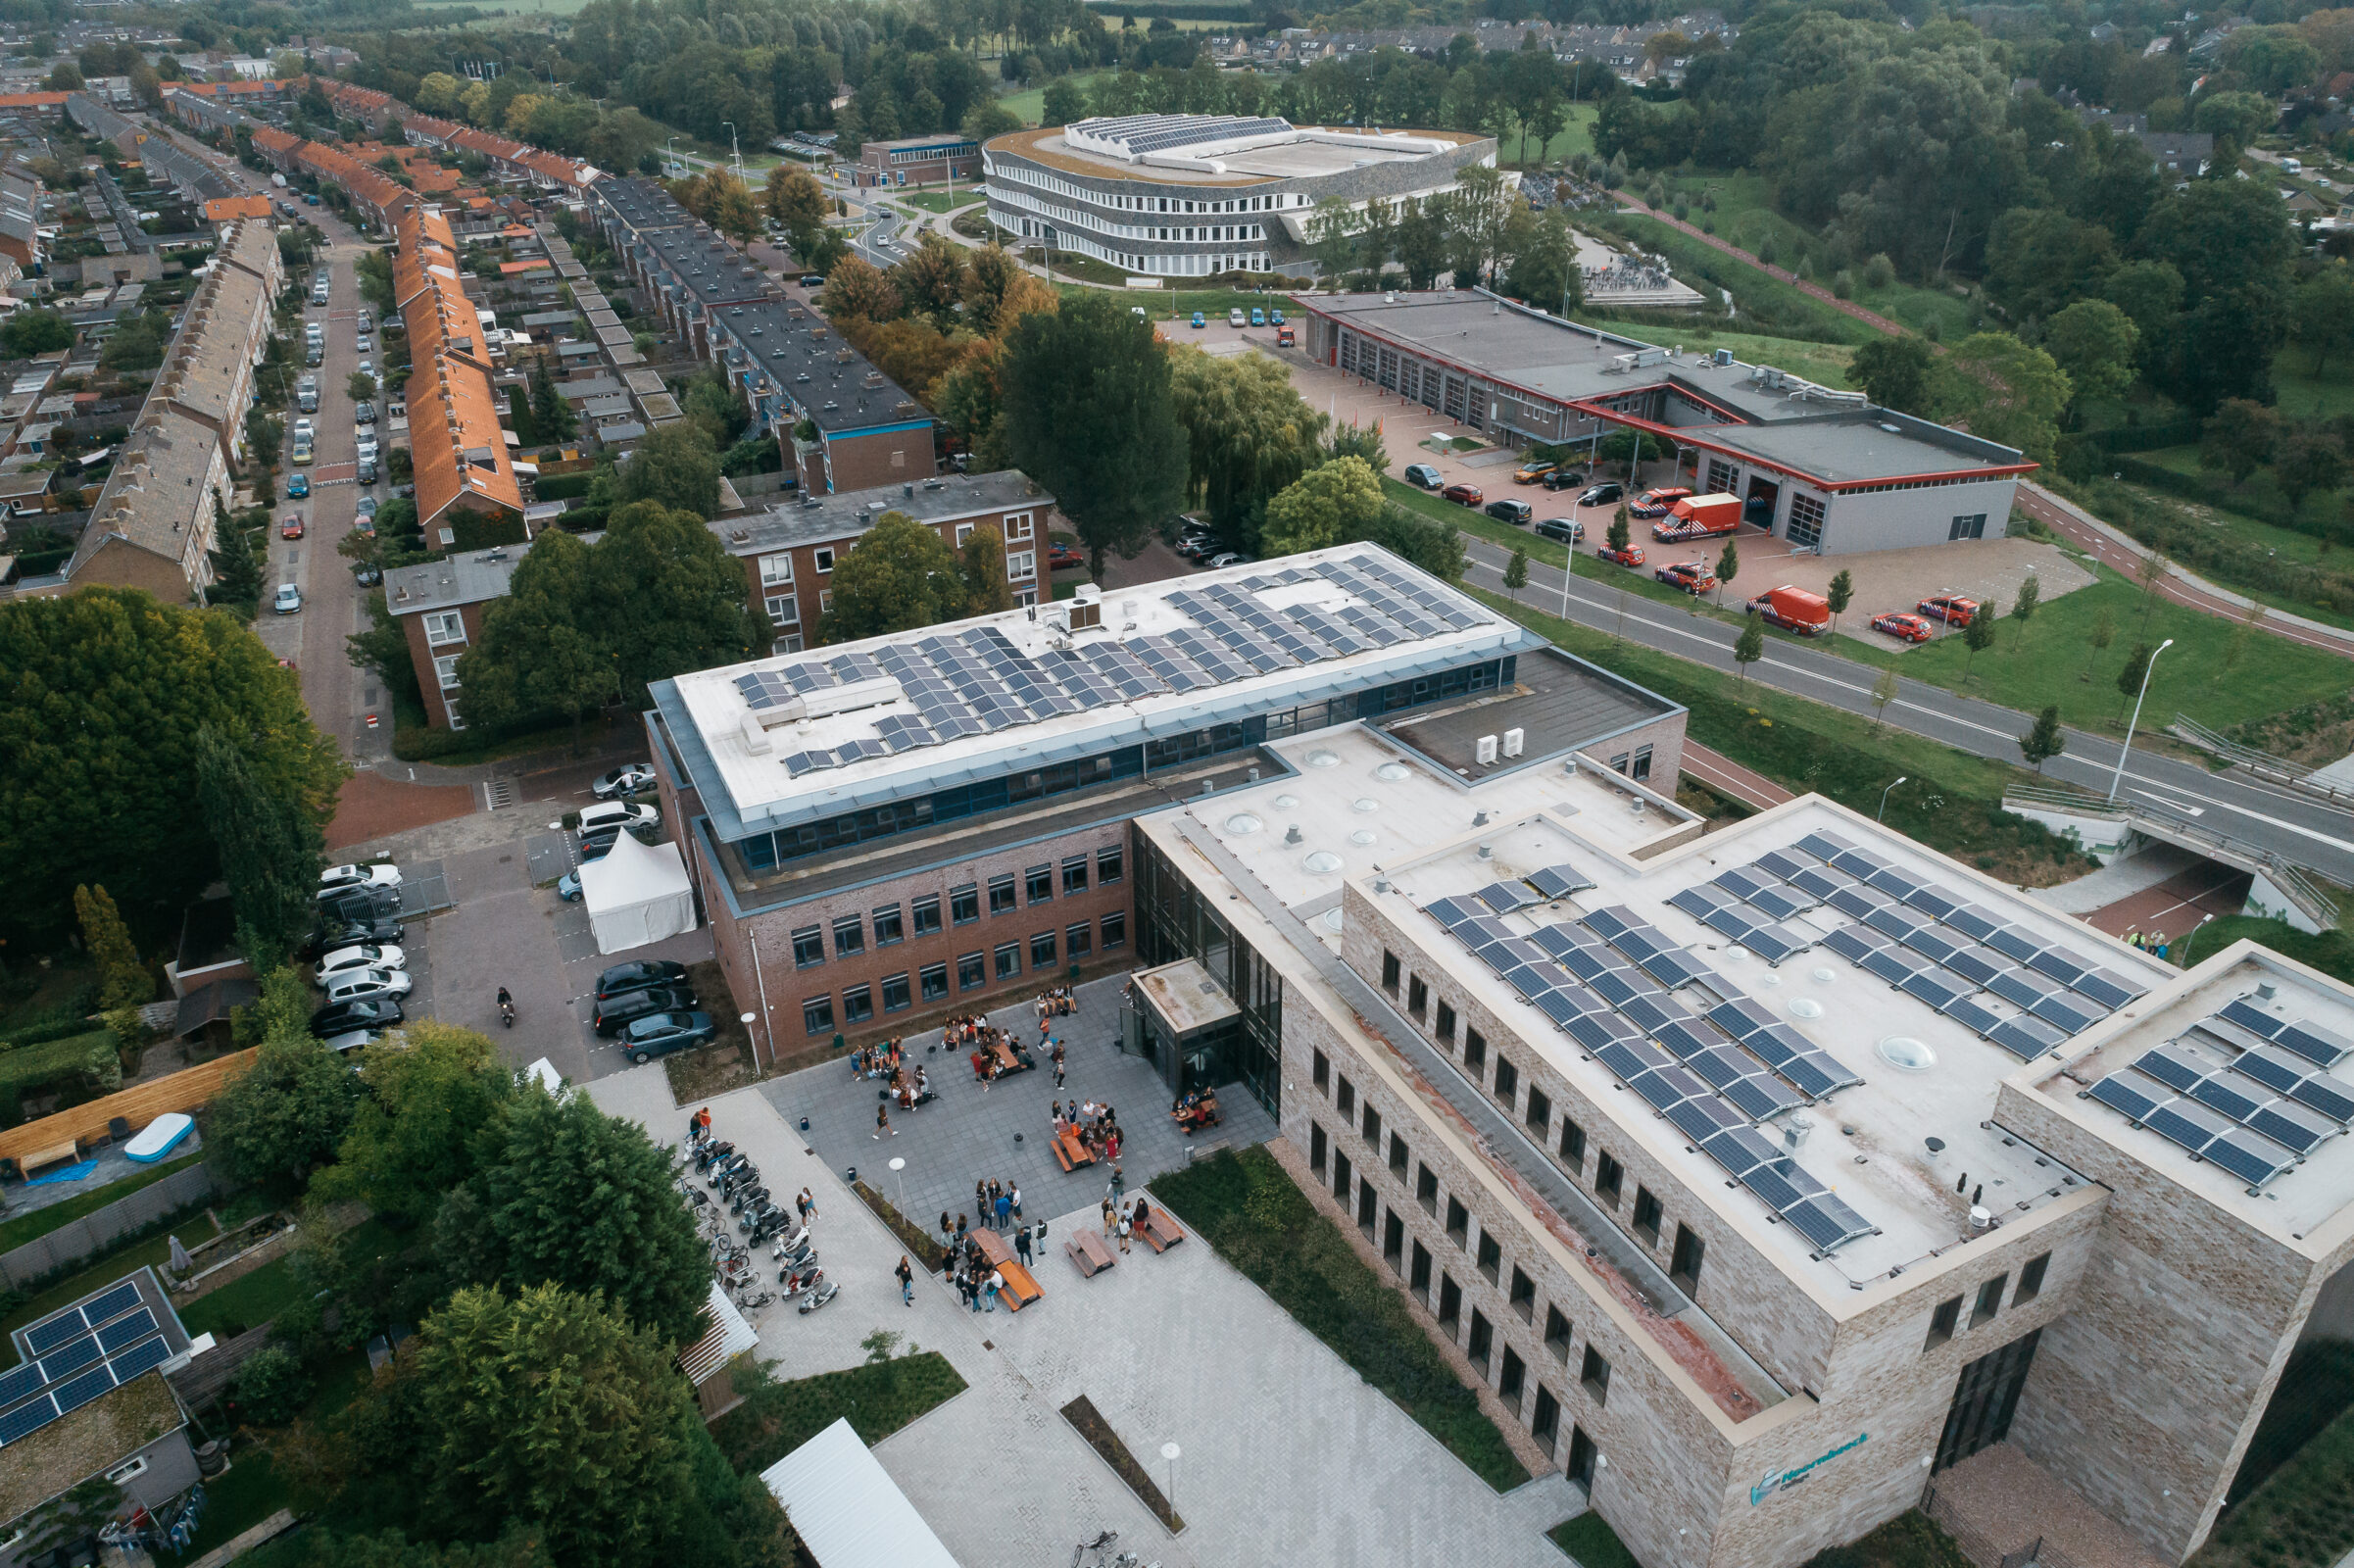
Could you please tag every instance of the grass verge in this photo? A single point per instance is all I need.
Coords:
(929, 1253)
(1258, 1221)
(41, 1221)
(1084, 1418)
(2331, 952)
(2315, 1388)
(1589, 1540)
(2301, 1516)
(936, 201)
(1782, 309)
(879, 1399)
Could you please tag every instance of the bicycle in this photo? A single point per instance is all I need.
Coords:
(1098, 1546)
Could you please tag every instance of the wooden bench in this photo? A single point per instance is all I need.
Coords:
(54, 1154)
(1088, 1251)
(1070, 1153)
(1161, 1230)
(1017, 1287)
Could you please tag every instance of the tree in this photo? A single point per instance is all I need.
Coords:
(676, 465)
(1728, 567)
(236, 574)
(2324, 314)
(1894, 373)
(1979, 635)
(361, 386)
(2094, 343)
(1884, 692)
(1087, 414)
(2130, 678)
(1062, 104)
(270, 850)
(931, 279)
(571, 1197)
(1353, 440)
(664, 595)
(855, 289)
(2102, 633)
(2002, 390)
(102, 694)
(123, 980)
(899, 576)
(1544, 262)
(1750, 648)
(2023, 606)
(1332, 230)
(2306, 463)
(31, 333)
(984, 121)
(1841, 594)
(437, 93)
(535, 657)
(1517, 573)
(419, 1130)
(1327, 506)
(2046, 741)
(2239, 438)
(1250, 434)
(287, 1113)
(63, 78)
(998, 293)
(981, 565)
(793, 198)
(1622, 528)
(551, 415)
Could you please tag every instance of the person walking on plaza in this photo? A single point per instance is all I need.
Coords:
(1021, 1245)
(1124, 1233)
(1015, 1194)
(1119, 1184)
(990, 1289)
(882, 1119)
(1004, 1209)
(906, 1281)
(1058, 1064)
(1111, 1223)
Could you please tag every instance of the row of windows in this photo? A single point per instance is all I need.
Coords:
(963, 907)
(1437, 1289)
(974, 972)
(1026, 175)
(1088, 223)
(1648, 1216)
(1076, 239)
(1946, 1322)
(921, 155)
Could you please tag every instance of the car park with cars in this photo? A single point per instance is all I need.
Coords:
(1462, 495)
(360, 955)
(614, 1015)
(1235, 317)
(1954, 609)
(1516, 513)
(335, 936)
(664, 1032)
(1902, 626)
(1569, 530)
(638, 975)
(614, 815)
(366, 984)
(1422, 476)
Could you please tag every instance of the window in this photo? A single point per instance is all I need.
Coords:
(1524, 1294)
(2030, 1280)
(1643, 763)
(1315, 1147)
(1418, 1273)
(1020, 564)
(825, 558)
(1443, 1025)
(1426, 1189)
(1540, 1114)
(888, 932)
(1475, 1052)
(1459, 1221)
(1017, 527)
(817, 1016)
(1989, 1300)
(1001, 894)
(1393, 1240)
(1009, 960)
(1942, 1322)
(1646, 1215)
(784, 609)
(894, 994)
(934, 979)
(972, 971)
(1806, 520)
(445, 627)
(1390, 972)
(445, 671)
(1684, 1265)
(1039, 883)
(1608, 1176)
(1556, 1334)
(1344, 1176)
(1573, 1145)
(1320, 1071)
(1482, 1340)
(125, 1472)
(1366, 1207)
(1080, 939)
(1508, 1079)
(1074, 875)
(1398, 1154)
(849, 936)
(964, 904)
(825, 601)
(1107, 868)
(1042, 949)
(927, 915)
(1544, 1424)
(1372, 1125)
(1115, 931)
(1972, 526)
(1451, 1301)
(1346, 1099)
(857, 1004)
(1595, 1374)
(1418, 996)
(1490, 1255)
(808, 947)
(1510, 1382)
(776, 570)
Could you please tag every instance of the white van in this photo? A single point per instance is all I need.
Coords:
(616, 813)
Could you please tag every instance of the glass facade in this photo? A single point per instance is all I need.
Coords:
(1175, 921)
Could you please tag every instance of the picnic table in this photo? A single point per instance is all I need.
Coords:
(1018, 1286)
(1071, 1152)
(1088, 1251)
(1160, 1229)
(1003, 1056)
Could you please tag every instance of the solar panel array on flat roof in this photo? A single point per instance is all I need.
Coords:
(2205, 1133)
(1721, 912)
(2321, 1046)
(2246, 1102)
(77, 1354)
(1560, 881)
(1153, 133)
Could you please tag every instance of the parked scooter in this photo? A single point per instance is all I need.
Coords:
(750, 1224)
(721, 1169)
(791, 1238)
(817, 1298)
(745, 1179)
(773, 1223)
(800, 1282)
(746, 1199)
(710, 1154)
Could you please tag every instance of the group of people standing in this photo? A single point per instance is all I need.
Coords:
(1097, 1126)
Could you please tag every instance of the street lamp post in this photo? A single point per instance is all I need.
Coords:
(2194, 931)
(1171, 1451)
(1882, 815)
(2118, 777)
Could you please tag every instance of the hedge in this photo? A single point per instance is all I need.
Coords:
(2145, 437)
(562, 486)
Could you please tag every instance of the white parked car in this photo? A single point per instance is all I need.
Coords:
(1235, 317)
(288, 600)
(363, 955)
(358, 876)
(366, 984)
(616, 813)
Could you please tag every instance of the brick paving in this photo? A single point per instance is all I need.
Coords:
(2010, 1501)
(372, 806)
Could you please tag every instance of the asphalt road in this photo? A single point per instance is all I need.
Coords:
(2293, 826)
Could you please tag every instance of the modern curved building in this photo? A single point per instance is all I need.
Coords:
(1194, 195)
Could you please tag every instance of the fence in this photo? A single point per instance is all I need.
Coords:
(208, 1377)
(100, 1229)
(2261, 764)
(2294, 882)
(138, 1104)
(2041, 1552)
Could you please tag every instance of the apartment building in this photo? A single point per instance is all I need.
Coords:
(158, 512)
(850, 427)
(789, 550)
(21, 237)
(439, 605)
(456, 444)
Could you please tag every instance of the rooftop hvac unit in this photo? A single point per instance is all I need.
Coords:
(1723, 357)
(1514, 740)
(1486, 750)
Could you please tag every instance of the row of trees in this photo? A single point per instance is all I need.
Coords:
(1479, 231)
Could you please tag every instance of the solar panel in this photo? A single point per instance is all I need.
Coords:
(1854, 943)
(1761, 1096)
(114, 1303)
(22, 1422)
(2130, 1094)
(1972, 1015)
(1772, 1181)
(2301, 1082)
(2015, 942)
(114, 1336)
(1776, 943)
(1861, 864)
(47, 1335)
(72, 1397)
(2315, 1044)
(2108, 988)
(1560, 881)
(2025, 1037)
(2019, 988)
(1977, 965)
(2066, 1012)
(1824, 845)
(2249, 1157)
(1971, 921)
(1741, 1150)
(18, 1382)
(70, 1356)
(2176, 1070)
(1702, 1119)
(1822, 882)
(141, 1357)
(1451, 912)
(2186, 1123)
(2287, 1125)
(1896, 921)
(1505, 897)
(1855, 901)
(1934, 985)
(1698, 903)
(1894, 883)
(1932, 900)
(1893, 964)
(1782, 863)
(2058, 963)
(1826, 1221)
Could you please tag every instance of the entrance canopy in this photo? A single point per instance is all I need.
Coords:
(847, 1510)
(1185, 1000)
(636, 895)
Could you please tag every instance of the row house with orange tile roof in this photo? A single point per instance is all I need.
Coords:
(511, 158)
(457, 445)
(378, 111)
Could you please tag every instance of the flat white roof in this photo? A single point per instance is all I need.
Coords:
(846, 1507)
(982, 698)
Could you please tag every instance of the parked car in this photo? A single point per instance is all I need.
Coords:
(812, 280)
(615, 815)
(1200, 320)
(1258, 318)
(341, 1019)
(366, 509)
(1462, 495)
(1061, 556)
(626, 780)
(1423, 476)
(1229, 558)
(335, 936)
(1519, 514)
(1276, 316)
(1794, 609)
(367, 474)
(567, 886)
(365, 985)
(1902, 626)
(364, 413)
(359, 906)
(290, 526)
(1569, 530)
(1631, 556)
(1563, 478)
(1952, 608)
(1199, 548)
(665, 1032)
(616, 1013)
(289, 601)
(638, 976)
(368, 366)
(374, 875)
(1692, 576)
(298, 485)
(1533, 470)
(361, 956)
(1601, 495)
(1235, 317)
(1657, 503)
(367, 576)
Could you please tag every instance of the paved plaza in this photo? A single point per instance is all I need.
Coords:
(1287, 1455)
(969, 1133)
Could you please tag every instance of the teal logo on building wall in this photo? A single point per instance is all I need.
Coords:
(1784, 1480)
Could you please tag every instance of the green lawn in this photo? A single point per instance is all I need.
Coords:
(2220, 672)
(2315, 1388)
(1911, 1540)
(2305, 395)
(32, 1066)
(1592, 1542)
(1576, 136)
(2259, 491)
(1028, 105)
(936, 201)
(2302, 1516)
(41, 1221)
(2331, 952)
(1765, 301)
(775, 1418)
(247, 1301)
(105, 1271)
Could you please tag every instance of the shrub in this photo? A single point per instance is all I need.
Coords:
(271, 1387)
(1842, 284)
(1880, 272)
